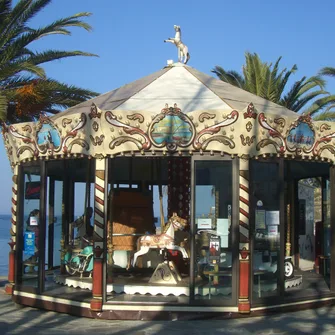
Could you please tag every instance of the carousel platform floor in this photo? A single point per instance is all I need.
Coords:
(131, 285)
(313, 285)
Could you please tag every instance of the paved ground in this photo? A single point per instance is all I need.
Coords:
(26, 320)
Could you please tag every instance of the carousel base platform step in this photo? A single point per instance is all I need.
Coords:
(294, 281)
(119, 287)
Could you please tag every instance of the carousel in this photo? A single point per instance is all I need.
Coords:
(173, 196)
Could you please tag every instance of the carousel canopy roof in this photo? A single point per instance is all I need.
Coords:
(183, 85)
(175, 110)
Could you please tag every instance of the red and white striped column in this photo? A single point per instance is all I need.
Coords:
(12, 243)
(98, 236)
(244, 253)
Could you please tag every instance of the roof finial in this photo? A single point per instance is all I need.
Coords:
(183, 54)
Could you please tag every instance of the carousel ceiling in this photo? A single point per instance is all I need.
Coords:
(175, 110)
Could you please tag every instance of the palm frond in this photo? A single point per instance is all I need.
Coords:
(51, 55)
(320, 104)
(305, 99)
(325, 116)
(327, 71)
(40, 95)
(231, 77)
(17, 67)
(59, 25)
(25, 89)
(3, 107)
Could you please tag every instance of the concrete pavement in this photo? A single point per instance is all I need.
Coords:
(25, 320)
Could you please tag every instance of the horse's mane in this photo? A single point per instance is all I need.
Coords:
(169, 222)
(167, 225)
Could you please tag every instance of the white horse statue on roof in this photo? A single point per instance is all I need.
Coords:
(183, 54)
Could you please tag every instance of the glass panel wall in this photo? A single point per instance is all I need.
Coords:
(29, 230)
(58, 221)
(265, 190)
(70, 191)
(307, 229)
(323, 231)
(148, 247)
(79, 216)
(55, 181)
(213, 230)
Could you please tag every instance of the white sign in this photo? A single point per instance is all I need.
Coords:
(204, 223)
(34, 221)
(260, 219)
(272, 218)
(272, 230)
(222, 226)
(224, 241)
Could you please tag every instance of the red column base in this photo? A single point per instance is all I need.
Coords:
(9, 288)
(96, 305)
(244, 307)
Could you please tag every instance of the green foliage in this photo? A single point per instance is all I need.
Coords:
(25, 90)
(266, 80)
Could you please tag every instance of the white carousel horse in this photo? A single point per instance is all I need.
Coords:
(164, 240)
(183, 54)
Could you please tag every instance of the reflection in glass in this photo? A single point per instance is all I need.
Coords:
(57, 222)
(31, 225)
(265, 189)
(213, 213)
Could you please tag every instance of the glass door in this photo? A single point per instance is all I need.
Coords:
(266, 252)
(213, 213)
(31, 229)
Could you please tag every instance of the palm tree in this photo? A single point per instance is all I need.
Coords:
(329, 112)
(25, 90)
(267, 81)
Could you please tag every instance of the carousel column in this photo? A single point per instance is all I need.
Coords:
(244, 252)
(179, 177)
(12, 243)
(100, 199)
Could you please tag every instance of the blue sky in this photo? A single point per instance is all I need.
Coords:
(128, 37)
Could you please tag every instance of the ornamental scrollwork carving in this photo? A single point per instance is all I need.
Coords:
(280, 121)
(129, 130)
(324, 127)
(266, 142)
(27, 128)
(66, 144)
(95, 126)
(136, 117)
(247, 140)
(206, 116)
(65, 122)
(274, 133)
(47, 138)
(328, 147)
(250, 113)
(218, 138)
(94, 112)
(120, 140)
(214, 129)
(97, 140)
(324, 139)
(248, 127)
(79, 142)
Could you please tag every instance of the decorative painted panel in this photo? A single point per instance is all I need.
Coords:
(98, 133)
